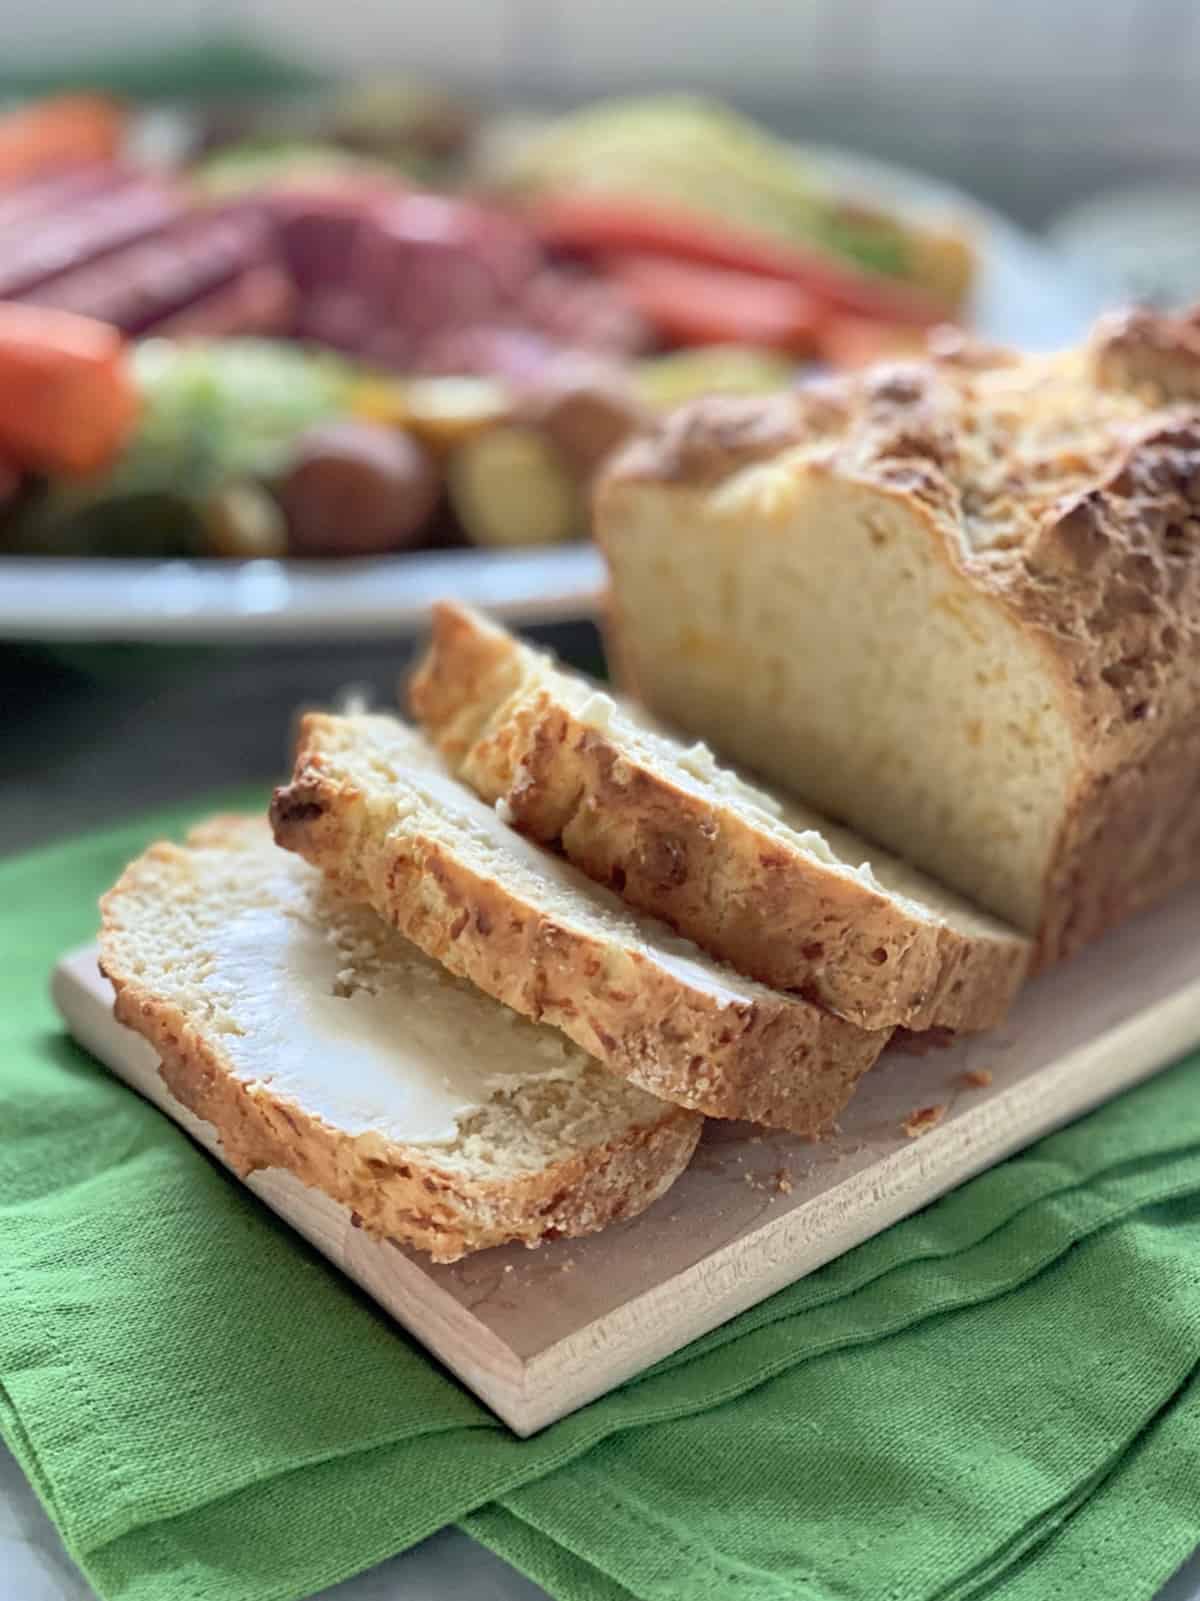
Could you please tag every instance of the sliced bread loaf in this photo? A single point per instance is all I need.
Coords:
(954, 603)
(315, 1039)
(372, 804)
(764, 884)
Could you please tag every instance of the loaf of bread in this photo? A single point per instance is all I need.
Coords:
(373, 806)
(315, 1039)
(761, 883)
(954, 603)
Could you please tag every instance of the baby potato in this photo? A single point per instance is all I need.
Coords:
(243, 522)
(357, 489)
(511, 486)
(586, 413)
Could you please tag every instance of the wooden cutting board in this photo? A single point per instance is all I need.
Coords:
(536, 1334)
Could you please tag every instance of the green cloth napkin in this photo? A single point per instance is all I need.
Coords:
(997, 1397)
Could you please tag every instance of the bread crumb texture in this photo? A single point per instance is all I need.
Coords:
(923, 1119)
(374, 806)
(757, 880)
(556, 1145)
(952, 602)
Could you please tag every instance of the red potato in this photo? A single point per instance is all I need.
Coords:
(587, 409)
(68, 401)
(358, 489)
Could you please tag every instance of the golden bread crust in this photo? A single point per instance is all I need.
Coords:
(1064, 490)
(775, 1059)
(713, 871)
(706, 440)
(397, 1192)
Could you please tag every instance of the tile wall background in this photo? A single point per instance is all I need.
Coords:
(1033, 103)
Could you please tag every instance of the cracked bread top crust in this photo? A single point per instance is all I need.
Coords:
(1063, 489)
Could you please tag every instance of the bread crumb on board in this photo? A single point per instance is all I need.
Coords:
(780, 1182)
(976, 1078)
(923, 1118)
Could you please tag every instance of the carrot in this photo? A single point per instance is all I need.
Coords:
(67, 396)
(688, 304)
(851, 342)
(68, 130)
(600, 224)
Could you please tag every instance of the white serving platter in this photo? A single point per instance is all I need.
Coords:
(1025, 296)
(536, 1334)
(209, 602)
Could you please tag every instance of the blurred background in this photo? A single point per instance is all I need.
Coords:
(311, 314)
(1028, 105)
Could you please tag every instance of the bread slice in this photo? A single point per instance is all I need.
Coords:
(315, 1039)
(952, 603)
(372, 804)
(764, 884)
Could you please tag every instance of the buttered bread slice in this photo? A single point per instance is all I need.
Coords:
(315, 1039)
(763, 883)
(372, 804)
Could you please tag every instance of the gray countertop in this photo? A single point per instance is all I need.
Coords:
(35, 1567)
(90, 737)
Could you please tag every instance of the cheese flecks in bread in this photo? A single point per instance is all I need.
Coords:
(764, 884)
(372, 804)
(315, 1039)
(956, 606)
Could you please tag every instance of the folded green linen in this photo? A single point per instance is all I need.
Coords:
(997, 1397)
